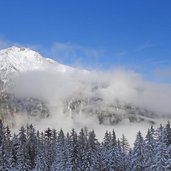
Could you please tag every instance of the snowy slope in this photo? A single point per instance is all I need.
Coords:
(16, 59)
(13, 61)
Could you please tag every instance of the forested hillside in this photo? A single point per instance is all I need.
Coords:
(54, 150)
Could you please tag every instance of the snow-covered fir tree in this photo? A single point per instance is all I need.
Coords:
(31, 150)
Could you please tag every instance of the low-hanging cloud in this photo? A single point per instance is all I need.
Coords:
(55, 87)
(123, 85)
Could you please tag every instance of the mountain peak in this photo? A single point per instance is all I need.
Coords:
(21, 59)
(17, 50)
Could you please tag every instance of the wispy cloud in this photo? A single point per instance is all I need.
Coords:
(145, 46)
(120, 53)
(164, 73)
(4, 43)
(74, 54)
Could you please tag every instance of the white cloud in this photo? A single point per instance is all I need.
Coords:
(74, 54)
(127, 86)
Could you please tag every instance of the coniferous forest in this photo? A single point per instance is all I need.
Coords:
(54, 150)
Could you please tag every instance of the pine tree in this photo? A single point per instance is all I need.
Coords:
(161, 157)
(125, 147)
(168, 134)
(138, 154)
(31, 144)
(4, 148)
(113, 139)
(60, 160)
(98, 159)
(159, 163)
(14, 150)
(23, 158)
(48, 147)
(83, 151)
(8, 148)
(40, 160)
(149, 148)
(73, 153)
(107, 139)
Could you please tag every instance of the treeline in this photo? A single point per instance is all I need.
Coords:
(55, 151)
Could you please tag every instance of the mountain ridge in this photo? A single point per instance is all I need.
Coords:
(15, 60)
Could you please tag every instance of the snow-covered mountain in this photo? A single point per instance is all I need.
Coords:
(16, 60)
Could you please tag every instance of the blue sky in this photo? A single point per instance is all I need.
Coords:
(135, 34)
